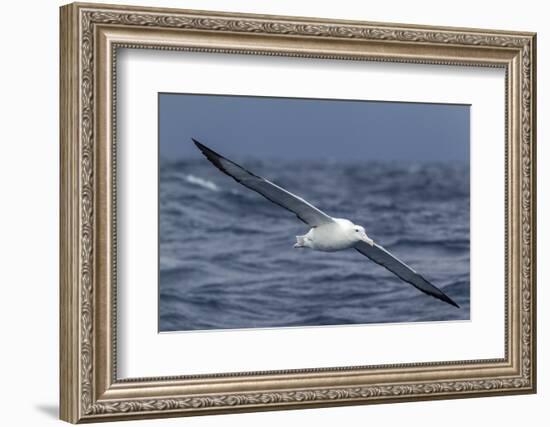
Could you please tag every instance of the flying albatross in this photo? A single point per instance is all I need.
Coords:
(327, 234)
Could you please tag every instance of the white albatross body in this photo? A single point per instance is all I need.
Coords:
(326, 234)
(334, 236)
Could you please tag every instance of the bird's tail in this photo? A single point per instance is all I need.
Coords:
(300, 242)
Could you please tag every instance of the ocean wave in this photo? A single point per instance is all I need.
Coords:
(201, 182)
(226, 256)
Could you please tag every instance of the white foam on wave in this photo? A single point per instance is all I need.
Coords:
(204, 183)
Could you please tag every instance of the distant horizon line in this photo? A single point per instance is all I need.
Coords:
(268, 159)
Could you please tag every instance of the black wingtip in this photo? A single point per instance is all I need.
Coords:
(214, 158)
(208, 152)
(198, 144)
(448, 300)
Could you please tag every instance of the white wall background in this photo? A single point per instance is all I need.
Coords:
(29, 170)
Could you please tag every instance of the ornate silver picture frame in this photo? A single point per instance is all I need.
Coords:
(92, 36)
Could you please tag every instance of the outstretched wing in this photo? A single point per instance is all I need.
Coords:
(303, 210)
(381, 256)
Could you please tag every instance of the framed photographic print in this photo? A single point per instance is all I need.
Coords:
(265, 212)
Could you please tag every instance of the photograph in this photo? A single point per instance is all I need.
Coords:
(292, 212)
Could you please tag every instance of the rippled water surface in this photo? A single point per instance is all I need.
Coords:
(227, 261)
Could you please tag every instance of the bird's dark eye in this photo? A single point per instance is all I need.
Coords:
(357, 231)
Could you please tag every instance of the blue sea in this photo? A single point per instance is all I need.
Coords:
(227, 261)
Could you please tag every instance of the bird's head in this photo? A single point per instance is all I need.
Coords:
(357, 234)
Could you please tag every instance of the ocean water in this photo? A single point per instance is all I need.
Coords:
(227, 261)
